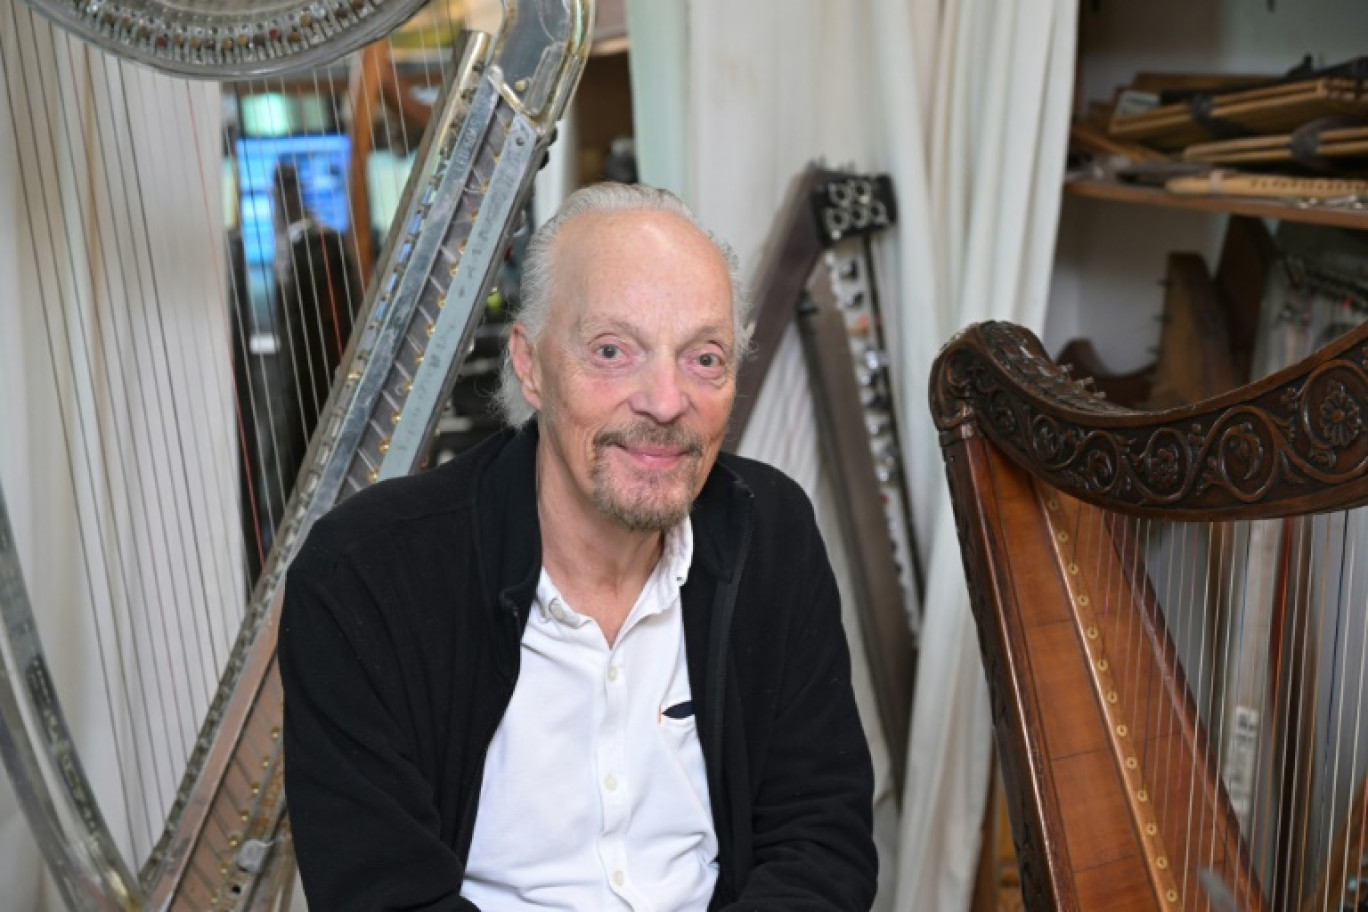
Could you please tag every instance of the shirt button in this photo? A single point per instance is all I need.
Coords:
(612, 673)
(619, 878)
(610, 782)
(558, 612)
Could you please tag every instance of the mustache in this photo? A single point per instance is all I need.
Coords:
(649, 434)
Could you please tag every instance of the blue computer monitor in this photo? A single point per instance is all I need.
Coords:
(320, 160)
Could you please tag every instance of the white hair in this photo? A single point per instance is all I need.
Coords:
(535, 299)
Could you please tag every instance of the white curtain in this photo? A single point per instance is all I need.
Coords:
(966, 104)
(997, 140)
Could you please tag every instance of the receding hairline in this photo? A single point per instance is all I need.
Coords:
(578, 230)
(575, 229)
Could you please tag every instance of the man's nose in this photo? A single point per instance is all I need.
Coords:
(661, 394)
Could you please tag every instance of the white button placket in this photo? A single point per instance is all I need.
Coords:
(612, 756)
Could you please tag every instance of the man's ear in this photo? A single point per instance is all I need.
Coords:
(524, 357)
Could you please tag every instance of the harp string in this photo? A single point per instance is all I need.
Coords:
(390, 132)
(1176, 576)
(1176, 803)
(1341, 816)
(248, 376)
(1221, 597)
(1264, 537)
(1248, 719)
(1146, 695)
(1204, 610)
(1313, 796)
(162, 301)
(171, 414)
(272, 395)
(1286, 685)
(1330, 585)
(218, 256)
(150, 611)
(1200, 617)
(141, 642)
(1206, 621)
(17, 75)
(94, 412)
(1203, 578)
(1282, 650)
(1334, 711)
(1230, 596)
(1308, 684)
(204, 408)
(1356, 796)
(351, 297)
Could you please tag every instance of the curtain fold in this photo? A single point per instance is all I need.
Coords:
(1003, 96)
(659, 58)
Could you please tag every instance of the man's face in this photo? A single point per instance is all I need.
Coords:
(634, 374)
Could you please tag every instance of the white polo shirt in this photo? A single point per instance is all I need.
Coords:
(594, 793)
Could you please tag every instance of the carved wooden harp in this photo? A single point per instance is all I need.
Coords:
(1179, 714)
(219, 838)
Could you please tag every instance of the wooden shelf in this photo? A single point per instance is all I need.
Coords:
(1093, 188)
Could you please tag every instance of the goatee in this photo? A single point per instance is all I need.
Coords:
(647, 504)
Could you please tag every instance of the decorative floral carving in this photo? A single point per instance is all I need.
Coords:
(1341, 421)
(1163, 466)
(1293, 437)
(1100, 466)
(1001, 413)
(1240, 456)
(1046, 439)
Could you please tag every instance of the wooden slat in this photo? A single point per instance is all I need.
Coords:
(1038, 832)
(1074, 725)
(1096, 816)
(1234, 205)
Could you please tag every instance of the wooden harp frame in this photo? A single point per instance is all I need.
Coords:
(1027, 449)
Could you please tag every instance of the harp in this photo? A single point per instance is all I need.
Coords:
(818, 273)
(1170, 614)
(192, 815)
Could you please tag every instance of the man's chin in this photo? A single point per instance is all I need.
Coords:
(648, 521)
(646, 511)
(643, 498)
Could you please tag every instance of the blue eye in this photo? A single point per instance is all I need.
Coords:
(609, 352)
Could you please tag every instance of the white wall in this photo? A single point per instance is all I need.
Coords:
(1111, 256)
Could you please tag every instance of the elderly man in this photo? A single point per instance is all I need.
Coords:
(592, 663)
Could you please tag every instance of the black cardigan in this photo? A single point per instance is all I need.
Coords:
(399, 650)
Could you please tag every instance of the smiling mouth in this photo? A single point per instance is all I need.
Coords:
(655, 457)
(653, 447)
(656, 452)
